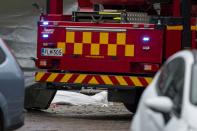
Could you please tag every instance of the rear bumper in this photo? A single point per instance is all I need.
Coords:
(93, 79)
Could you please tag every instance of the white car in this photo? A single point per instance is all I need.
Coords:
(170, 101)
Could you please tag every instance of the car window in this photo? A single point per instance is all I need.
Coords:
(171, 82)
(2, 56)
(193, 96)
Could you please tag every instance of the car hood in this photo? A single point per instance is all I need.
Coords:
(191, 117)
(192, 122)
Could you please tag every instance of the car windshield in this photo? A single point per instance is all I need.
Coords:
(194, 85)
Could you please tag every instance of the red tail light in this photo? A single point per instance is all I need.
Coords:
(43, 63)
(144, 67)
(47, 63)
(49, 45)
(151, 67)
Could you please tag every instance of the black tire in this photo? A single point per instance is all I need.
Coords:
(1, 122)
(131, 107)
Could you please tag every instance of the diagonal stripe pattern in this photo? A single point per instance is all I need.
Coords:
(74, 78)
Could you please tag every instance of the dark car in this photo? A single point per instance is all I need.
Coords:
(11, 91)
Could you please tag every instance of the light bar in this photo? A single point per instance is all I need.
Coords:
(45, 36)
(146, 39)
(45, 23)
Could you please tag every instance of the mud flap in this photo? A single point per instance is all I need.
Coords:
(38, 97)
(129, 97)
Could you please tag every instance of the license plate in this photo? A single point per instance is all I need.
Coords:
(52, 52)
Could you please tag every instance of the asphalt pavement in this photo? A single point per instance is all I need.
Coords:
(79, 118)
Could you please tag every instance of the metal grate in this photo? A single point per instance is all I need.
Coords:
(135, 17)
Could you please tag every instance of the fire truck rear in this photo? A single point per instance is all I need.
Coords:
(109, 44)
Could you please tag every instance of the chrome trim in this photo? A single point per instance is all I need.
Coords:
(95, 29)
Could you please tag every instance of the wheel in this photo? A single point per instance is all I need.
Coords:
(1, 122)
(131, 107)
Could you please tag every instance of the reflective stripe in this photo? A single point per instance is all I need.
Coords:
(121, 38)
(39, 76)
(194, 28)
(62, 46)
(107, 80)
(100, 46)
(70, 37)
(87, 37)
(129, 50)
(112, 50)
(80, 78)
(95, 49)
(136, 81)
(66, 78)
(148, 80)
(78, 48)
(121, 80)
(104, 38)
(175, 27)
(52, 77)
(180, 27)
(93, 81)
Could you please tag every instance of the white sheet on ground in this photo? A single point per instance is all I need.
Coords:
(73, 98)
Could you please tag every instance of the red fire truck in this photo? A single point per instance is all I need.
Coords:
(117, 45)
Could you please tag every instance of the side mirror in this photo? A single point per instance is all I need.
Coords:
(160, 104)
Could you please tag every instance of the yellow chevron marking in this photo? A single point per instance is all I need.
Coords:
(112, 50)
(80, 78)
(87, 37)
(107, 80)
(78, 48)
(95, 49)
(93, 81)
(136, 81)
(121, 38)
(129, 50)
(70, 37)
(104, 38)
(62, 46)
(148, 80)
(39, 76)
(66, 77)
(52, 77)
(121, 80)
